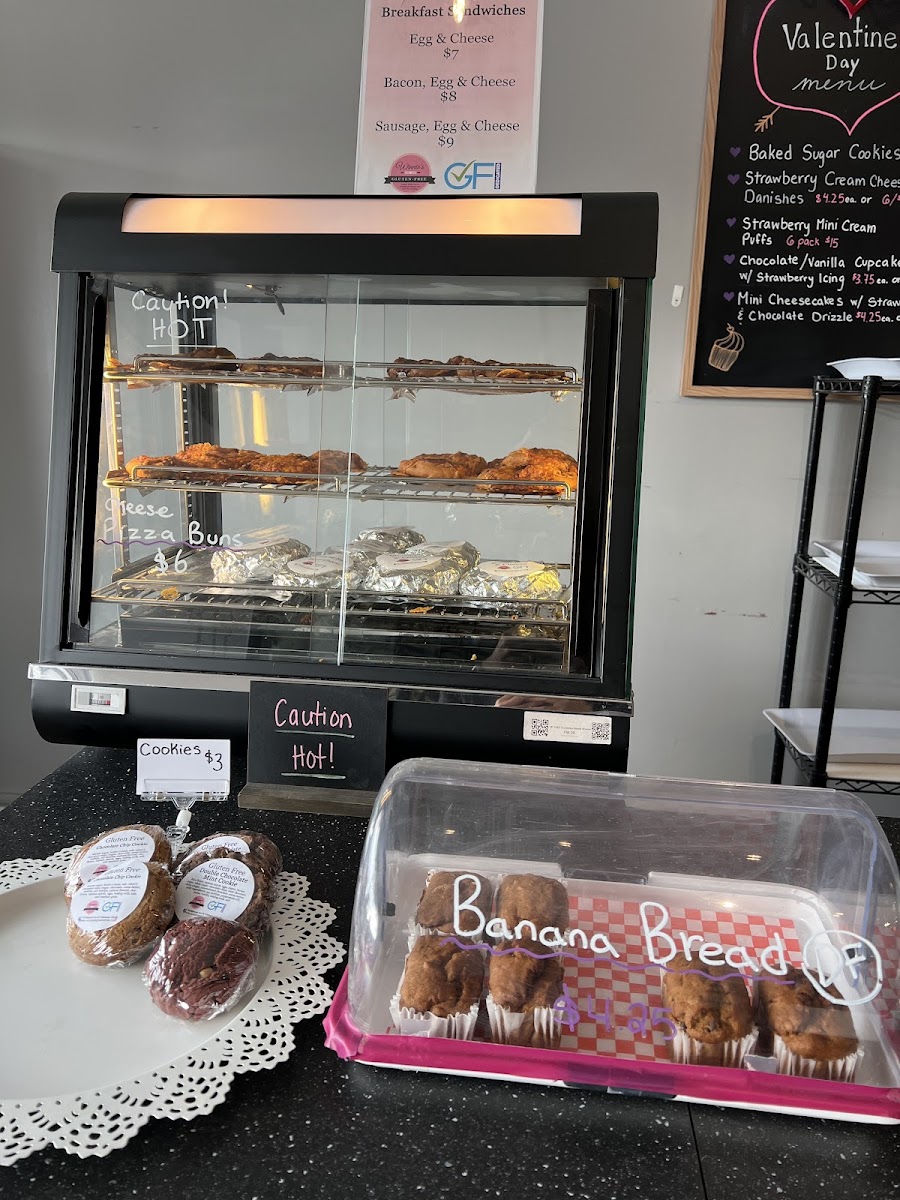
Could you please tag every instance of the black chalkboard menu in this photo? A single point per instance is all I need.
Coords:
(797, 248)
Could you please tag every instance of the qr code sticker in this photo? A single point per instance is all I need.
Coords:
(600, 731)
(540, 727)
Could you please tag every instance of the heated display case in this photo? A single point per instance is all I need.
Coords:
(363, 441)
(729, 943)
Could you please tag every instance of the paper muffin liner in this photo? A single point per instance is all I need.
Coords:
(506, 1025)
(838, 1070)
(410, 1023)
(722, 359)
(690, 1051)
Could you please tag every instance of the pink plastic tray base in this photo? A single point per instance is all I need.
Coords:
(712, 1085)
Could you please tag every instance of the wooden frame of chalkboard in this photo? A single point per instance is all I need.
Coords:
(784, 55)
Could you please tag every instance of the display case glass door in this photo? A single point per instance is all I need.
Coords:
(379, 471)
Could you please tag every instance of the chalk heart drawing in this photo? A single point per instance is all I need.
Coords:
(853, 6)
(772, 14)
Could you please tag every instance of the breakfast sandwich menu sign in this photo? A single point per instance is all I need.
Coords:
(449, 98)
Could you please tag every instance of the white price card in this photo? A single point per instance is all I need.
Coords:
(183, 765)
(567, 727)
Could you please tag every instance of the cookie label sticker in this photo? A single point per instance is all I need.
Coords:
(236, 844)
(221, 887)
(116, 848)
(111, 897)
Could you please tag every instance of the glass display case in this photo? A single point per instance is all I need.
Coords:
(364, 441)
(729, 943)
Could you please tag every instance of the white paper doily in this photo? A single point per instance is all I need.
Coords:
(259, 1035)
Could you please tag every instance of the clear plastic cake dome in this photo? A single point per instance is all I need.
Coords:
(730, 943)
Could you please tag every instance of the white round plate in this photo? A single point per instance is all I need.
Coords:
(88, 1058)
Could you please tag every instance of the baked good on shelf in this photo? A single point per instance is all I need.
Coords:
(204, 462)
(525, 981)
(250, 845)
(202, 968)
(808, 1033)
(145, 843)
(391, 538)
(435, 908)
(535, 898)
(225, 361)
(241, 564)
(440, 979)
(713, 1015)
(462, 555)
(415, 368)
(408, 574)
(337, 462)
(280, 364)
(533, 465)
(455, 465)
(118, 918)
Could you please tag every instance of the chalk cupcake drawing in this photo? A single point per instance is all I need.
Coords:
(725, 350)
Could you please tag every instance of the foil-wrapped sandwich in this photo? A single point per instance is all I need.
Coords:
(412, 575)
(496, 578)
(318, 572)
(461, 555)
(392, 538)
(258, 562)
(359, 554)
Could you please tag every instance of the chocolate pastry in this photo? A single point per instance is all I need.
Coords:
(247, 845)
(202, 968)
(440, 978)
(435, 909)
(118, 918)
(233, 886)
(534, 898)
(146, 843)
(455, 465)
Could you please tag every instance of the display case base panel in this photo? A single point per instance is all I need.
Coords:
(613, 1013)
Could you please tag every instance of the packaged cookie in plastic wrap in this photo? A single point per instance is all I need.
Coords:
(144, 843)
(257, 562)
(231, 888)
(319, 573)
(462, 555)
(411, 575)
(500, 579)
(117, 918)
(256, 849)
(202, 968)
(392, 538)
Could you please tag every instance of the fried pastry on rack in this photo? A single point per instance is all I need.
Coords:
(454, 465)
(532, 465)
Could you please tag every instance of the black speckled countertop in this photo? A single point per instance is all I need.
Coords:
(317, 1126)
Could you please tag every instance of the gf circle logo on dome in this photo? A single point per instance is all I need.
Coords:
(409, 173)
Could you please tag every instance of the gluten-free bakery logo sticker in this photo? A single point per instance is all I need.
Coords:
(197, 902)
(91, 907)
(409, 173)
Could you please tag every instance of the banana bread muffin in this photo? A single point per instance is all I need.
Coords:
(714, 1015)
(435, 910)
(808, 1034)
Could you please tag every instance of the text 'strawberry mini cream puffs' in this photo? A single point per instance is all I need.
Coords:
(588, 929)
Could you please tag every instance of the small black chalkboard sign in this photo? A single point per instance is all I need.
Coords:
(797, 249)
(312, 735)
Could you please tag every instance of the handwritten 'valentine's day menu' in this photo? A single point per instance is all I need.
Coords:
(449, 98)
(800, 235)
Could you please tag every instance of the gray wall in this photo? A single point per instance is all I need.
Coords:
(219, 95)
